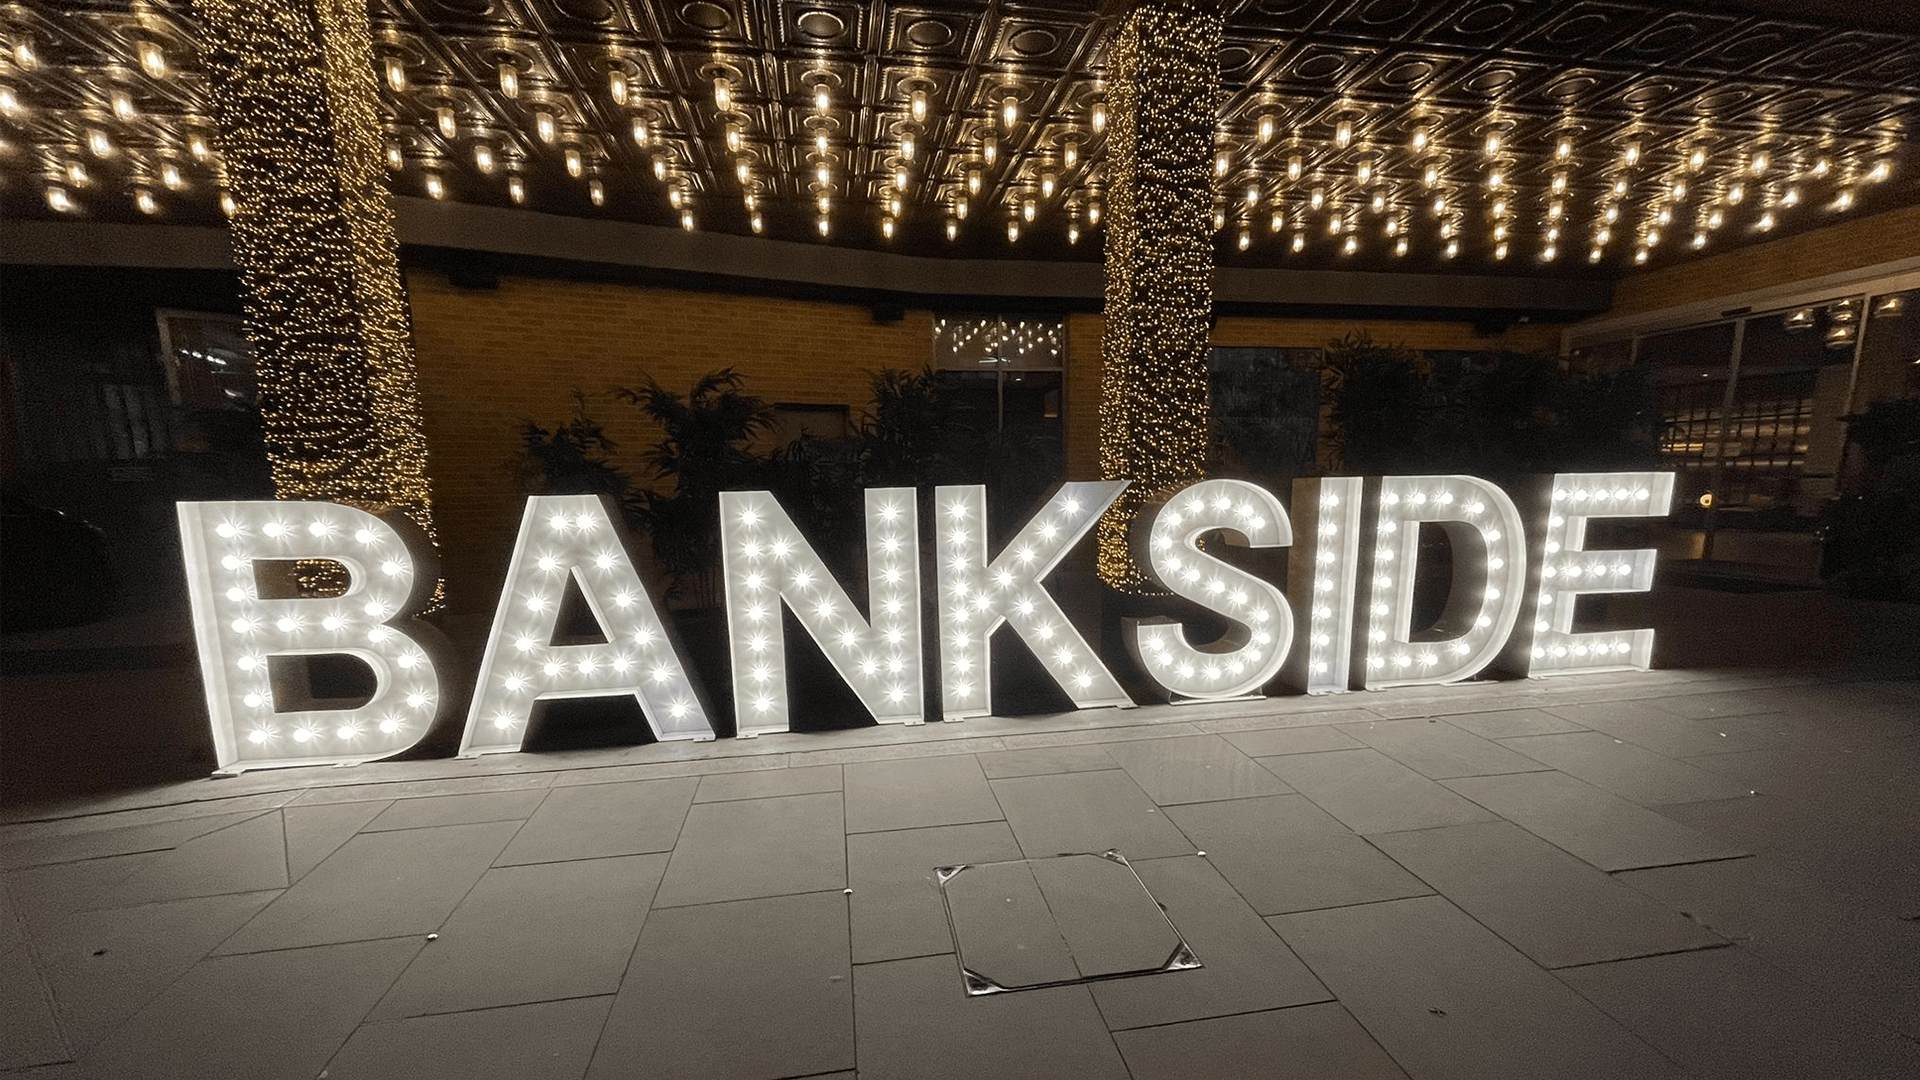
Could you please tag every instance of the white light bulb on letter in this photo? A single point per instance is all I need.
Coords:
(1568, 570)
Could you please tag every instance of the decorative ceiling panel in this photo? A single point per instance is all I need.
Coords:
(1524, 136)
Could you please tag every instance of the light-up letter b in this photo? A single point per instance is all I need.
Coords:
(238, 630)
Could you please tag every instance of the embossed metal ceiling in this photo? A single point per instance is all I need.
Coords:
(1527, 134)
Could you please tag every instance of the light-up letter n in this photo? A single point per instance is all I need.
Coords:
(238, 630)
(577, 538)
(766, 561)
(1567, 570)
(1489, 571)
(976, 597)
(1251, 652)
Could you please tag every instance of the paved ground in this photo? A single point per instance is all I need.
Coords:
(1687, 873)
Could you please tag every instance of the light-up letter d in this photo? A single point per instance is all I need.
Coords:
(239, 630)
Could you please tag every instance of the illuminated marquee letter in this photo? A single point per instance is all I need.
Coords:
(1567, 570)
(1489, 571)
(1322, 587)
(975, 597)
(1242, 661)
(767, 561)
(239, 630)
(577, 538)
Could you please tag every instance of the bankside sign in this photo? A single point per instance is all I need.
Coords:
(1343, 621)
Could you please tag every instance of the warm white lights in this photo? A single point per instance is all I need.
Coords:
(576, 538)
(976, 596)
(244, 615)
(766, 562)
(1484, 531)
(1567, 569)
(1261, 633)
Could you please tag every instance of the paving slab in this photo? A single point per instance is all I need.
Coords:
(1726, 1014)
(1869, 957)
(44, 894)
(1370, 792)
(532, 933)
(101, 843)
(808, 780)
(634, 818)
(1245, 966)
(1438, 750)
(1285, 854)
(420, 789)
(1274, 742)
(1045, 760)
(1724, 703)
(378, 885)
(459, 809)
(1450, 1001)
(1312, 1042)
(1006, 929)
(915, 1022)
(1629, 771)
(1591, 824)
(748, 990)
(1196, 768)
(1507, 723)
(315, 832)
(1544, 902)
(1646, 724)
(105, 966)
(247, 857)
(914, 793)
(757, 847)
(1089, 811)
(31, 1034)
(551, 1040)
(270, 1014)
(896, 910)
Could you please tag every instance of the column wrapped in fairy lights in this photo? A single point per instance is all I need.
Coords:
(1321, 578)
(977, 596)
(1162, 106)
(292, 86)
(1567, 570)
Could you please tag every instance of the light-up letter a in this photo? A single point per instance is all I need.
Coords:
(767, 561)
(1489, 571)
(239, 630)
(577, 538)
(977, 596)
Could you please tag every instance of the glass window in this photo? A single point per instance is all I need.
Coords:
(1700, 349)
(209, 362)
(971, 342)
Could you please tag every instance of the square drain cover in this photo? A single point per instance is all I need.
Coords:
(1069, 919)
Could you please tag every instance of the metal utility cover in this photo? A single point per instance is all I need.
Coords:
(1068, 919)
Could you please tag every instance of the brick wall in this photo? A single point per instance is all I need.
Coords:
(490, 359)
(1847, 245)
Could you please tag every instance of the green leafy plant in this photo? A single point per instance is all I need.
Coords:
(572, 458)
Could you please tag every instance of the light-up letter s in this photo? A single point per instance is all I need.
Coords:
(238, 630)
(1251, 652)
(1567, 570)
(577, 538)
(1489, 571)
(977, 596)
(766, 561)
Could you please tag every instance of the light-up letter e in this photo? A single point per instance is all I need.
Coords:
(767, 561)
(977, 596)
(1567, 569)
(239, 630)
(1251, 652)
(576, 538)
(1489, 571)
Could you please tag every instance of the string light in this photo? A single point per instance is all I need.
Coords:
(1159, 290)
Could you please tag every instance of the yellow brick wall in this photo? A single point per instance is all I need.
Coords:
(490, 359)
(1847, 245)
